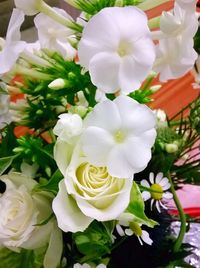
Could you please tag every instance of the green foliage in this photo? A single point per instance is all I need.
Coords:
(8, 141)
(142, 96)
(24, 259)
(197, 41)
(136, 207)
(5, 163)
(95, 241)
(91, 7)
(52, 184)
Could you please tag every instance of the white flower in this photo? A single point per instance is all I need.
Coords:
(20, 212)
(13, 46)
(116, 49)
(174, 58)
(119, 135)
(87, 193)
(158, 188)
(30, 7)
(54, 37)
(132, 228)
(68, 127)
(179, 23)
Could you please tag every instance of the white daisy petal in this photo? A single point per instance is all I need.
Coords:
(129, 232)
(120, 230)
(151, 204)
(158, 206)
(164, 181)
(159, 177)
(145, 183)
(151, 177)
(166, 186)
(162, 205)
(140, 240)
(146, 238)
(146, 195)
(168, 195)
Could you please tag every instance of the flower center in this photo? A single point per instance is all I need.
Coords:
(158, 194)
(124, 49)
(135, 227)
(119, 136)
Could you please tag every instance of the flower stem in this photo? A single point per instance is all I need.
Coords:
(182, 231)
(148, 4)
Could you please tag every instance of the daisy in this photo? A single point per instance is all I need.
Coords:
(158, 186)
(134, 229)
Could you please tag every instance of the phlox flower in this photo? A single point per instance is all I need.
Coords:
(54, 37)
(161, 185)
(117, 49)
(119, 134)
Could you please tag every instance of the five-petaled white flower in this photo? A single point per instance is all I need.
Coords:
(158, 188)
(119, 134)
(117, 49)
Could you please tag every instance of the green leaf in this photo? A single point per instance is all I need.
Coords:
(136, 207)
(24, 259)
(5, 162)
(52, 184)
(94, 242)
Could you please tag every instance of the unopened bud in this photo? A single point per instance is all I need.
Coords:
(58, 83)
(155, 88)
(171, 148)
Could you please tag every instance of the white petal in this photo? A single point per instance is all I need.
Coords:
(146, 195)
(168, 195)
(159, 177)
(151, 204)
(99, 116)
(69, 216)
(158, 206)
(162, 205)
(104, 69)
(16, 20)
(53, 254)
(151, 177)
(164, 181)
(97, 144)
(145, 183)
(117, 164)
(166, 186)
(120, 230)
(129, 232)
(145, 237)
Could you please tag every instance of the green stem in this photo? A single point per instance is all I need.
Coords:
(149, 4)
(182, 217)
(177, 122)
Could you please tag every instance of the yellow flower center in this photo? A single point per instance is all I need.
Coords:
(124, 49)
(158, 194)
(119, 136)
(135, 227)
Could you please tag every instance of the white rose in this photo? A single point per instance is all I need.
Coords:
(20, 212)
(68, 127)
(88, 192)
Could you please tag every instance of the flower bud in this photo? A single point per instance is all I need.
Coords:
(58, 83)
(171, 148)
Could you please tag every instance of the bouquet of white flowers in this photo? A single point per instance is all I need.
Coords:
(86, 167)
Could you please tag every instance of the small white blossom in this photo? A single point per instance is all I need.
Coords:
(30, 7)
(5, 117)
(68, 127)
(161, 118)
(119, 134)
(158, 190)
(55, 36)
(117, 49)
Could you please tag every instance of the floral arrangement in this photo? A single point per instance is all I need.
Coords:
(86, 167)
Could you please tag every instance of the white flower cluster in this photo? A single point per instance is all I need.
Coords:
(98, 159)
